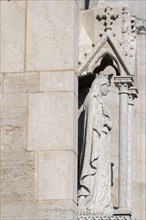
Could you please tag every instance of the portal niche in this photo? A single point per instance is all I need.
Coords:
(106, 61)
(95, 165)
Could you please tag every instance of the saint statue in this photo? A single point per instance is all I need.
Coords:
(94, 196)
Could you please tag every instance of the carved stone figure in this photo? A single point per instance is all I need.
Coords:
(94, 195)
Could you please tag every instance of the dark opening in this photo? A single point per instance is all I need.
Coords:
(87, 2)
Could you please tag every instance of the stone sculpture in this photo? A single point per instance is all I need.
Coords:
(94, 195)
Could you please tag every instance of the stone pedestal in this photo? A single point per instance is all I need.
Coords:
(115, 217)
(119, 214)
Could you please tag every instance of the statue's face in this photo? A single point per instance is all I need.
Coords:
(105, 89)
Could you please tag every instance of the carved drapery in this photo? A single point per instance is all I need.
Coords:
(95, 179)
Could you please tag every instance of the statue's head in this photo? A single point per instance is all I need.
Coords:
(100, 86)
(103, 82)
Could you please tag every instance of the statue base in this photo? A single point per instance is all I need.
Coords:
(119, 214)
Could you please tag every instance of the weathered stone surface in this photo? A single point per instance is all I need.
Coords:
(137, 9)
(140, 104)
(14, 106)
(57, 210)
(48, 24)
(141, 84)
(1, 83)
(52, 121)
(19, 210)
(139, 171)
(14, 122)
(138, 197)
(139, 154)
(17, 83)
(12, 36)
(58, 81)
(13, 133)
(18, 176)
(57, 175)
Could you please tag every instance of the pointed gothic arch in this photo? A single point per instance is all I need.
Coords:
(107, 59)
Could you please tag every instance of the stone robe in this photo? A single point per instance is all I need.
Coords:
(95, 180)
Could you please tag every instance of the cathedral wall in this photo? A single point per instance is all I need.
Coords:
(39, 110)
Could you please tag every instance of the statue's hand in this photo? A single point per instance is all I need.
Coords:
(105, 112)
(109, 125)
(105, 129)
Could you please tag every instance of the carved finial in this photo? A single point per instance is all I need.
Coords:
(109, 16)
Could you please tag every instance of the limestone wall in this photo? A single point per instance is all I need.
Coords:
(39, 109)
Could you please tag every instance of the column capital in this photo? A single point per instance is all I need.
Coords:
(124, 83)
(132, 95)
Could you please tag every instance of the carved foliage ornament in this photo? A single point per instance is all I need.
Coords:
(109, 16)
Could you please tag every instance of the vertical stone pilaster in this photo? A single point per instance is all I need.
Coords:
(123, 84)
(131, 96)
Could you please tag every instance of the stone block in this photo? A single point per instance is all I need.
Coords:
(58, 210)
(14, 106)
(57, 175)
(50, 35)
(13, 133)
(17, 83)
(18, 176)
(14, 122)
(19, 210)
(52, 121)
(58, 81)
(12, 36)
(13, 100)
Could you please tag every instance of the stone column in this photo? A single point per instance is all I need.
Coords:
(131, 96)
(123, 84)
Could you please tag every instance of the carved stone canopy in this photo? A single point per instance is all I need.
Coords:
(109, 47)
(107, 31)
